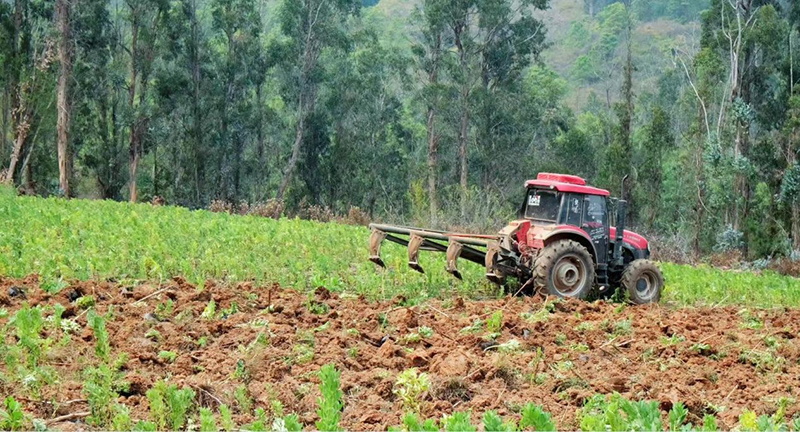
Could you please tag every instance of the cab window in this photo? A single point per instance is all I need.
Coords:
(542, 205)
(595, 216)
(573, 210)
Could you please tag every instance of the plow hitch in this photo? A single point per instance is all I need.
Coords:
(455, 246)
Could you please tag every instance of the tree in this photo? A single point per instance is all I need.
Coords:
(65, 76)
(428, 50)
(145, 20)
(309, 26)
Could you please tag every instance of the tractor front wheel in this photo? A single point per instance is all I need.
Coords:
(643, 281)
(564, 269)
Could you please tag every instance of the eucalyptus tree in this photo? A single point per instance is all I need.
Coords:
(308, 27)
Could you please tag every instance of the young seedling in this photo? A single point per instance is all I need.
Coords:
(330, 404)
(409, 387)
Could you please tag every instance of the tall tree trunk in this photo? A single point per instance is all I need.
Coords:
(63, 104)
(463, 137)
(197, 134)
(135, 141)
(432, 137)
(298, 140)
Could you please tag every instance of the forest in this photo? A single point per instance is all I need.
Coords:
(431, 111)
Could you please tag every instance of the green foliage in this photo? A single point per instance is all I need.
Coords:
(169, 406)
(409, 387)
(122, 418)
(495, 323)
(12, 417)
(99, 388)
(207, 421)
(534, 417)
(458, 422)
(226, 418)
(330, 404)
(234, 247)
(601, 412)
(98, 325)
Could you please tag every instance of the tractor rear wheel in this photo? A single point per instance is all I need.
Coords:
(564, 269)
(643, 281)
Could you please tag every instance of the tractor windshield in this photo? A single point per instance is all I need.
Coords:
(542, 205)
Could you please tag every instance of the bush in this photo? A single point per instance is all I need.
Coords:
(729, 240)
(356, 216)
(219, 206)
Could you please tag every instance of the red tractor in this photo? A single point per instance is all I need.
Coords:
(561, 242)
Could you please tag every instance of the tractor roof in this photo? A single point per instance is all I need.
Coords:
(565, 183)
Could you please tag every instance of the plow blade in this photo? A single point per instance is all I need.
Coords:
(453, 252)
(375, 240)
(472, 248)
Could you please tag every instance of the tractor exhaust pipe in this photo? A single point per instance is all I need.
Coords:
(622, 210)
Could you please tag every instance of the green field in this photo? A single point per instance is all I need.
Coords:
(63, 240)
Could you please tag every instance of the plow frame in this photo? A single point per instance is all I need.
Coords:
(479, 249)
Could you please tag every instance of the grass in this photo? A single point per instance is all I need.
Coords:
(63, 240)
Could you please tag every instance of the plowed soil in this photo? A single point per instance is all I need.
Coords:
(719, 360)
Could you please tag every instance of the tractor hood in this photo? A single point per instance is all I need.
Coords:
(632, 238)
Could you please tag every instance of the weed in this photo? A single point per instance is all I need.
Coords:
(98, 324)
(207, 421)
(458, 422)
(411, 423)
(85, 302)
(122, 418)
(677, 416)
(561, 339)
(542, 315)
(579, 347)
(624, 327)
(12, 418)
(511, 346)
(169, 405)
(29, 324)
(153, 335)
(495, 323)
(533, 416)
(749, 321)
(226, 418)
(352, 352)
(210, 310)
(291, 423)
(243, 399)
(475, 327)
(672, 340)
(317, 308)
(425, 331)
(169, 356)
(409, 387)
(330, 404)
(492, 422)
(702, 349)
(165, 309)
(98, 386)
(764, 361)
(585, 326)
(410, 338)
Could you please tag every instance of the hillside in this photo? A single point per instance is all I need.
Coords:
(572, 33)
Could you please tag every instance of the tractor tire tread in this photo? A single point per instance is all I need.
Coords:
(631, 273)
(547, 259)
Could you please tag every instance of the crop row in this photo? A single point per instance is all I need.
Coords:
(63, 240)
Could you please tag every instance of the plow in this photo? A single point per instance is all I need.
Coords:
(562, 243)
